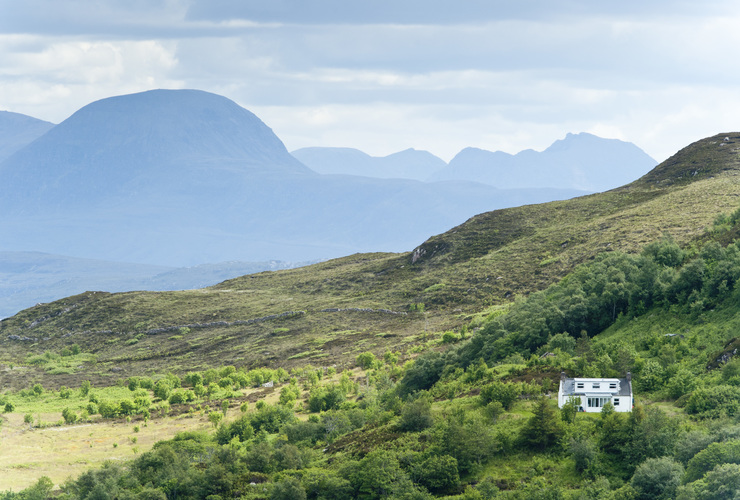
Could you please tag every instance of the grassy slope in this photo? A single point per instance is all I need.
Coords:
(487, 260)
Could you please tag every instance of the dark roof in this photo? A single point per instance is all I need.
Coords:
(569, 387)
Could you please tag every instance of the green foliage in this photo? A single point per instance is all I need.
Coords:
(504, 393)
(423, 373)
(657, 478)
(544, 429)
(288, 489)
(325, 398)
(69, 416)
(416, 415)
(710, 401)
(713, 455)
(722, 482)
(9, 407)
(437, 473)
(366, 360)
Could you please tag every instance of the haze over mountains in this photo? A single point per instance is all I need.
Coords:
(579, 161)
(183, 177)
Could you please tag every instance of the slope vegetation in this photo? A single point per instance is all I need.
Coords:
(331, 311)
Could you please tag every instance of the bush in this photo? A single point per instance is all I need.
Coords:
(288, 489)
(417, 415)
(657, 478)
(505, 394)
(9, 407)
(710, 401)
(715, 454)
(438, 474)
(69, 416)
(366, 360)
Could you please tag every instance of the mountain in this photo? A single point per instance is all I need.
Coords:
(27, 278)
(17, 131)
(383, 301)
(407, 164)
(183, 177)
(579, 161)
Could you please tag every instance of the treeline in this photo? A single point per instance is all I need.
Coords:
(596, 294)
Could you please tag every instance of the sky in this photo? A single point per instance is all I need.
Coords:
(386, 75)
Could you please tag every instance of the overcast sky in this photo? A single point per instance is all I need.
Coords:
(386, 75)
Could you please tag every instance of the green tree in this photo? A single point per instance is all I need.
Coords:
(543, 430)
(288, 489)
(504, 393)
(438, 474)
(657, 478)
(416, 415)
(721, 483)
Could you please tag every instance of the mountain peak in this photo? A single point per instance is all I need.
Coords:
(157, 141)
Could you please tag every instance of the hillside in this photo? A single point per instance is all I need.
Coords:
(337, 308)
(471, 416)
(27, 278)
(17, 131)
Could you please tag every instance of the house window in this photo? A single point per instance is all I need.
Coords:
(612, 385)
(597, 402)
(579, 385)
(615, 401)
(596, 385)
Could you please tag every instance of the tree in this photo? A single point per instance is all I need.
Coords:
(727, 452)
(416, 415)
(506, 394)
(657, 478)
(722, 482)
(288, 489)
(438, 474)
(543, 430)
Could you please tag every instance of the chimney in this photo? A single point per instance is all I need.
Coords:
(629, 377)
(562, 376)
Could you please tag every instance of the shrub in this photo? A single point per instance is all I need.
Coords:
(69, 416)
(657, 478)
(710, 401)
(9, 407)
(438, 474)
(727, 452)
(417, 415)
(365, 360)
(505, 394)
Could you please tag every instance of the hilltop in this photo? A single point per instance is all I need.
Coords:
(335, 309)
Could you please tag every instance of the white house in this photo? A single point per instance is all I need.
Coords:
(592, 394)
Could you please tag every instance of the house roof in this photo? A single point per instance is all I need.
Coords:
(569, 386)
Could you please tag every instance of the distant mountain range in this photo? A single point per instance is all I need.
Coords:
(579, 161)
(176, 178)
(183, 177)
(408, 164)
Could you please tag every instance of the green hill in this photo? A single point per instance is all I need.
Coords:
(470, 332)
(369, 301)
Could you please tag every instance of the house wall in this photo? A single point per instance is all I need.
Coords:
(592, 401)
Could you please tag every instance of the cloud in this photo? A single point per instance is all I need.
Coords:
(388, 75)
